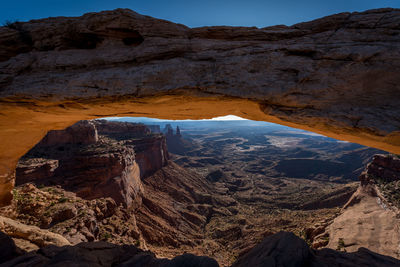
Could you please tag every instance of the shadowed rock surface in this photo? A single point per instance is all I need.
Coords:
(286, 249)
(282, 249)
(337, 75)
(8, 250)
(104, 254)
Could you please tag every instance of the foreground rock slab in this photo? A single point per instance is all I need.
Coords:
(336, 75)
(281, 249)
(371, 217)
(32, 234)
(104, 254)
(286, 249)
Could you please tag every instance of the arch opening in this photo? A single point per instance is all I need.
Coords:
(24, 123)
(245, 178)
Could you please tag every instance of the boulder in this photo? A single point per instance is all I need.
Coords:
(8, 250)
(286, 249)
(105, 254)
(32, 234)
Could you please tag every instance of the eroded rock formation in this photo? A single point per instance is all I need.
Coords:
(371, 217)
(275, 251)
(337, 75)
(382, 169)
(281, 249)
(96, 159)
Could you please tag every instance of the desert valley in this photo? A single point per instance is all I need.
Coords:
(209, 188)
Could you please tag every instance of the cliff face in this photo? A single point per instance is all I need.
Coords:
(382, 169)
(370, 219)
(96, 159)
(81, 133)
(151, 152)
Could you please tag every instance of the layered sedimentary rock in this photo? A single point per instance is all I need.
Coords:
(151, 152)
(110, 166)
(370, 218)
(81, 133)
(382, 169)
(336, 75)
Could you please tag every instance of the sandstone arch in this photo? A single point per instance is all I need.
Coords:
(339, 75)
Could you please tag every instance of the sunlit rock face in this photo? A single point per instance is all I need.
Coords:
(96, 159)
(370, 219)
(286, 249)
(337, 75)
(81, 133)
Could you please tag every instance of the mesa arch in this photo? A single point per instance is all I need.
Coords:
(338, 75)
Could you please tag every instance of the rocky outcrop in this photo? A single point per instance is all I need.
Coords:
(175, 209)
(370, 218)
(176, 206)
(104, 254)
(320, 75)
(151, 154)
(175, 143)
(286, 249)
(64, 214)
(154, 128)
(383, 168)
(281, 249)
(81, 133)
(32, 234)
(96, 159)
(121, 130)
(8, 250)
(35, 170)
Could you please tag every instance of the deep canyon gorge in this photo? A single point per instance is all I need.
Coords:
(115, 183)
(336, 76)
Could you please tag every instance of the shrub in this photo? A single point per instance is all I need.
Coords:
(340, 245)
(63, 200)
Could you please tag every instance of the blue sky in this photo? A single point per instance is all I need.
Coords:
(258, 13)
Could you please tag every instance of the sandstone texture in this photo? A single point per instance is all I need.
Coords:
(81, 133)
(179, 210)
(281, 249)
(382, 169)
(32, 234)
(96, 159)
(65, 214)
(370, 219)
(286, 249)
(337, 75)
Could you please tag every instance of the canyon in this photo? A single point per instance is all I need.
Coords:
(336, 75)
(76, 191)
